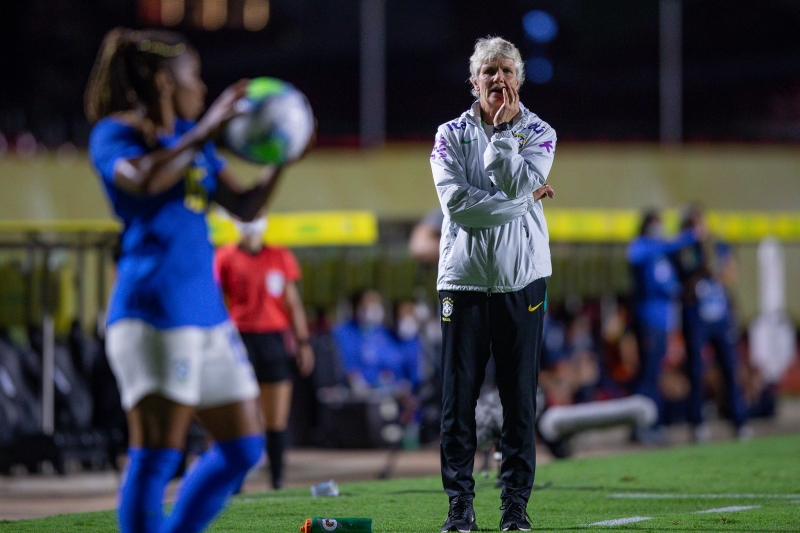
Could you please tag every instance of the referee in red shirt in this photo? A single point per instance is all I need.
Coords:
(260, 286)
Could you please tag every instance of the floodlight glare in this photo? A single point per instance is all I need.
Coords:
(540, 26)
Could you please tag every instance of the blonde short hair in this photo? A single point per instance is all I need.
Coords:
(490, 48)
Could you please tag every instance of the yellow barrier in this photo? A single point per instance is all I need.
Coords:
(360, 228)
(323, 228)
(586, 225)
(60, 226)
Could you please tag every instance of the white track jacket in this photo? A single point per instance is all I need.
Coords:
(494, 236)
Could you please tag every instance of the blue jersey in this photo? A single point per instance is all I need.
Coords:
(656, 284)
(409, 354)
(375, 355)
(164, 273)
(700, 286)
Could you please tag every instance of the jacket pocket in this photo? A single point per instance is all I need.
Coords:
(450, 238)
(527, 238)
(466, 261)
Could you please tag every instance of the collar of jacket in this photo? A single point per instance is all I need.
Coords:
(474, 114)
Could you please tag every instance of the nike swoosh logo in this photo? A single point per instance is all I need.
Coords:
(469, 141)
(532, 309)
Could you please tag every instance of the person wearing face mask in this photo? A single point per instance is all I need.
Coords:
(490, 168)
(409, 345)
(369, 350)
(170, 342)
(260, 286)
(408, 356)
(656, 289)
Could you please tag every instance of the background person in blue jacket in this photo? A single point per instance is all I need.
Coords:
(656, 292)
(708, 318)
(370, 352)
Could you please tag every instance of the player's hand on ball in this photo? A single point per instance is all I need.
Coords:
(222, 109)
(541, 192)
(275, 126)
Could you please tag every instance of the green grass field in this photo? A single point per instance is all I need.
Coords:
(752, 486)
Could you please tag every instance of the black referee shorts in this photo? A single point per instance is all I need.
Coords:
(267, 353)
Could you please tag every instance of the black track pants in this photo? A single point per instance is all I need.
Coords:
(508, 325)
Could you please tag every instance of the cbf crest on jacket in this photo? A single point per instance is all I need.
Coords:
(494, 236)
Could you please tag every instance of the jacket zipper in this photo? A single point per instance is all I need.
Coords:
(489, 259)
(479, 126)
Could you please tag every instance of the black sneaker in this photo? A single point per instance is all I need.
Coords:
(461, 516)
(515, 517)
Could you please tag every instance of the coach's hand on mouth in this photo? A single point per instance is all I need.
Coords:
(541, 192)
(510, 106)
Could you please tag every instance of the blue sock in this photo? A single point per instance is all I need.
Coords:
(141, 493)
(210, 481)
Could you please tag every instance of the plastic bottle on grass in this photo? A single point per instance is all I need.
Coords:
(337, 525)
(326, 488)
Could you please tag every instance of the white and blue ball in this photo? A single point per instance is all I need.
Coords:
(275, 125)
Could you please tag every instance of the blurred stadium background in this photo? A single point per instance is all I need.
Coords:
(657, 103)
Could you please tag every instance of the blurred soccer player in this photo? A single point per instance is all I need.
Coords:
(260, 284)
(656, 289)
(173, 349)
(708, 318)
(490, 167)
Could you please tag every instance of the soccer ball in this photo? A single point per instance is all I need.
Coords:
(275, 124)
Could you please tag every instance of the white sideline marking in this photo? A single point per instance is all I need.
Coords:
(644, 496)
(729, 509)
(621, 521)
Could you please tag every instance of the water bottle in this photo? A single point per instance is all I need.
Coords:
(326, 488)
(337, 525)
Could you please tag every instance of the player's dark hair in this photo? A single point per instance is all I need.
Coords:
(648, 219)
(355, 299)
(122, 78)
(690, 216)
